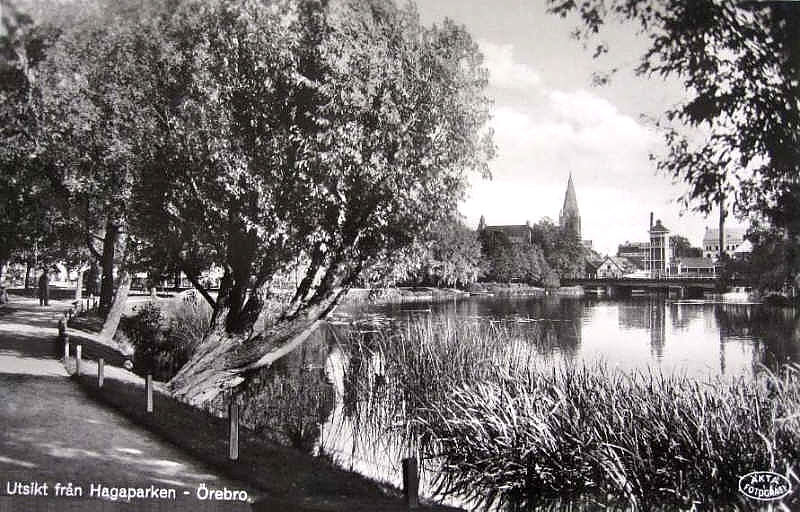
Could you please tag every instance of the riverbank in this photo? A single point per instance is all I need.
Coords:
(289, 479)
(403, 295)
(400, 295)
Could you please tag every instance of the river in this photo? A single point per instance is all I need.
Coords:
(697, 338)
(309, 398)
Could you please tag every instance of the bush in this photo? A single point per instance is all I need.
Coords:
(163, 341)
(145, 330)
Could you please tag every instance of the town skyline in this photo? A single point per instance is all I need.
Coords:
(549, 121)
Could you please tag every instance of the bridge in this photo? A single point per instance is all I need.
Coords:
(679, 287)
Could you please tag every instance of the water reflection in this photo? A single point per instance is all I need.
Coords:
(291, 400)
(692, 337)
(328, 398)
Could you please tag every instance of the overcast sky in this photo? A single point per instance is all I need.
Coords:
(549, 120)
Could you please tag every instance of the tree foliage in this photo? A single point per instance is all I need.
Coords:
(301, 137)
(308, 137)
(512, 260)
(740, 65)
(682, 247)
(451, 256)
(562, 248)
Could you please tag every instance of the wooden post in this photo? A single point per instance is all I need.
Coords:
(100, 366)
(149, 391)
(233, 429)
(411, 483)
(78, 349)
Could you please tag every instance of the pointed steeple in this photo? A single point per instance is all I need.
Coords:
(570, 216)
(482, 224)
(570, 199)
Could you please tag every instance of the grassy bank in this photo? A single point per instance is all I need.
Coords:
(500, 430)
(289, 479)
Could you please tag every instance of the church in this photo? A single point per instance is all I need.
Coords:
(569, 218)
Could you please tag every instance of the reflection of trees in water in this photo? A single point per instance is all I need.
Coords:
(290, 401)
(554, 323)
(775, 331)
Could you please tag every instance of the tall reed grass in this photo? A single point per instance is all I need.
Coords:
(504, 431)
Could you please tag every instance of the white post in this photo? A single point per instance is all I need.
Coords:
(78, 359)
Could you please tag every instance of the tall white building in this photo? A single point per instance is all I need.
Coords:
(659, 253)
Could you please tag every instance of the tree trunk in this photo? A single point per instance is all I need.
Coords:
(107, 279)
(721, 228)
(117, 306)
(222, 360)
(91, 277)
(79, 284)
(723, 285)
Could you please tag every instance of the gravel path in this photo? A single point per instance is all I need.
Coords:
(51, 432)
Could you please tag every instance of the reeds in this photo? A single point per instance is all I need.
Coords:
(504, 431)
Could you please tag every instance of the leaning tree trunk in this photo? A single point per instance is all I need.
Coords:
(223, 358)
(117, 306)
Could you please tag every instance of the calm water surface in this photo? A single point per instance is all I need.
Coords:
(310, 398)
(688, 337)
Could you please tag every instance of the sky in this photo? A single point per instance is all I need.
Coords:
(550, 121)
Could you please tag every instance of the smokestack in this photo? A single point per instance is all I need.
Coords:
(651, 220)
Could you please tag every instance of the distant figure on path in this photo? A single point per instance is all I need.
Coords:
(44, 290)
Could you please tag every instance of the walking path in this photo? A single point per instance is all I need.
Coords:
(52, 433)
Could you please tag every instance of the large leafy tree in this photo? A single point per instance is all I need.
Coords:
(91, 116)
(740, 65)
(307, 136)
(562, 248)
(507, 260)
(451, 256)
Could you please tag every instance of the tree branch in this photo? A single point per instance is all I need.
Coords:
(193, 279)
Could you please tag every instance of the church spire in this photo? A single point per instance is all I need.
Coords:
(570, 217)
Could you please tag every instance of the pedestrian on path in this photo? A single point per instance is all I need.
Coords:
(44, 288)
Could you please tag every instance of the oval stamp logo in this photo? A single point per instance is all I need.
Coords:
(764, 485)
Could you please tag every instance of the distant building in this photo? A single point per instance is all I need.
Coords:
(745, 248)
(614, 267)
(515, 232)
(693, 267)
(734, 238)
(634, 252)
(659, 253)
(570, 218)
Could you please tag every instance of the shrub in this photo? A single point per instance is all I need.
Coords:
(163, 341)
(145, 330)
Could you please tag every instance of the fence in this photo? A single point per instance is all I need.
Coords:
(410, 467)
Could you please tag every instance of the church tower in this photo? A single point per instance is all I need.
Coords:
(570, 217)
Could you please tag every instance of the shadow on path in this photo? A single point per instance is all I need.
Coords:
(52, 432)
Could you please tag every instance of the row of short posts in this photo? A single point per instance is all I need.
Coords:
(410, 466)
